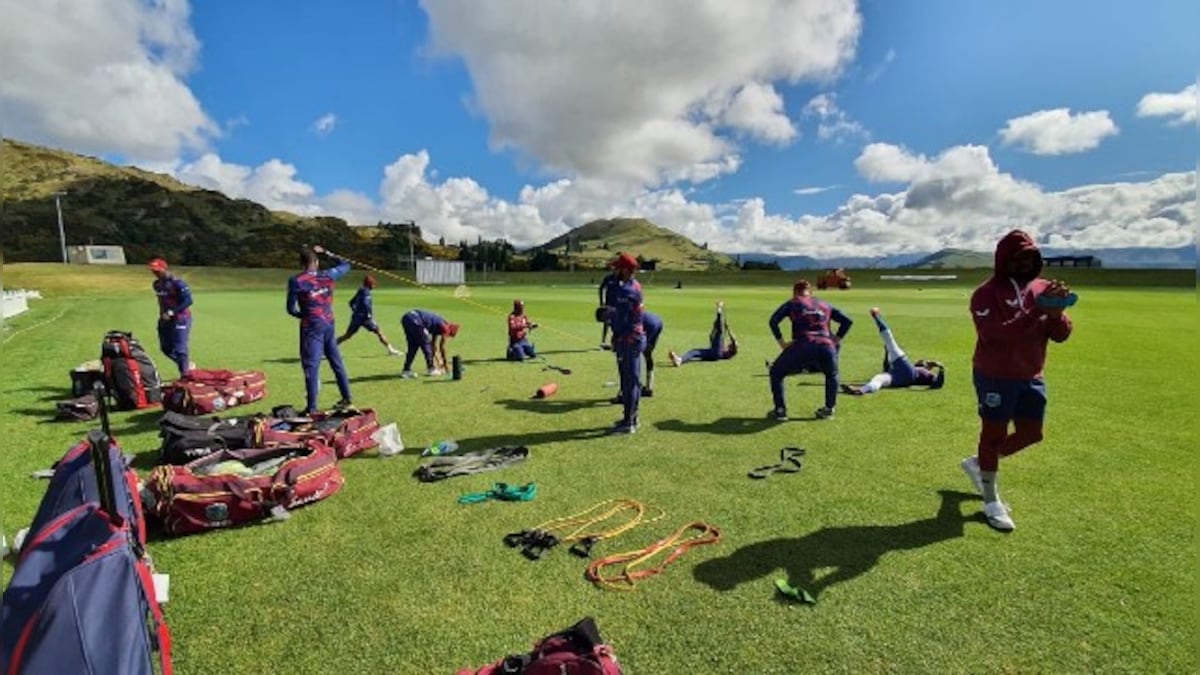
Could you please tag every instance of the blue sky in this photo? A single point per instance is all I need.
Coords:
(825, 127)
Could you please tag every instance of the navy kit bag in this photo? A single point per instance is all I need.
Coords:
(82, 596)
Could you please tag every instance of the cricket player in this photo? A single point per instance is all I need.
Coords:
(310, 299)
(898, 370)
(716, 350)
(519, 326)
(626, 312)
(362, 308)
(427, 332)
(812, 346)
(174, 314)
(1016, 314)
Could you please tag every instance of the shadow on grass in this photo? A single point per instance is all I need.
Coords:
(730, 426)
(136, 422)
(283, 359)
(44, 415)
(551, 406)
(530, 439)
(850, 551)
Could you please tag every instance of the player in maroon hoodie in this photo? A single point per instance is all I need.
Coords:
(1016, 314)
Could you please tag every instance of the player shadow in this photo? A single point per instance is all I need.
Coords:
(730, 426)
(47, 415)
(547, 352)
(530, 439)
(552, 406)
(849, 551)
(136, 422)
(283, 359)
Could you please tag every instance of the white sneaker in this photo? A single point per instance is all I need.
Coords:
(408, 375)
(435, 372)
(675, 359)
(997, 516)
(970, 466)
(392, 351)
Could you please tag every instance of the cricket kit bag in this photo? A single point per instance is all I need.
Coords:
(129, 373)
(203, 392)
(186, 437)
(347, 431)
(578, 650)
(232, 487)
(82, 596)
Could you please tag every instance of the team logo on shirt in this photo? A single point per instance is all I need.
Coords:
(992, 399)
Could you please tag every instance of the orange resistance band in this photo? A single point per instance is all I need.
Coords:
(627, 577)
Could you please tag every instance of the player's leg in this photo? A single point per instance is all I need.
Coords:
(355, 324)
(890, 345)
(414, 335)
(997, 405)
(334, 355)
(311, 352)
(1027, 420)
(180, 351)
(787, 363)
(827, 361)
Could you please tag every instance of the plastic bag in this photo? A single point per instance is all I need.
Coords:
(389, 440)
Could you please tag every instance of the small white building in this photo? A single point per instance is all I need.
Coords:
(96, 255)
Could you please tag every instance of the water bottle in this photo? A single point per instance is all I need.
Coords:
(440, 448)
(456, 367)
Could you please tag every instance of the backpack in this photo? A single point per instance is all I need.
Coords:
(233, 487)
(85, 376)
(348, 431)
(129, 373)
(203, 392)
(578, 650)
(186, 438)
(82, 598)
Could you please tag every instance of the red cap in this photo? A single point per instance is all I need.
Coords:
(624, 262)
(369, 281)
(451, 329)
(158, 265)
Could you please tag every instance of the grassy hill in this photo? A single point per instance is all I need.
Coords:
(155, 215)
(955, 258)
(34, 172)
(597, 242)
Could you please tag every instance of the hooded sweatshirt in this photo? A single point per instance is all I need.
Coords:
(1011, 330)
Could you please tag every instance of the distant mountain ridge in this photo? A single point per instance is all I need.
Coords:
(1183, 257)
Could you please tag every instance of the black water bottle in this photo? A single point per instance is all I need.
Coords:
(456, 367)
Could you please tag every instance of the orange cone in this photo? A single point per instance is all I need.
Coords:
(546, 390)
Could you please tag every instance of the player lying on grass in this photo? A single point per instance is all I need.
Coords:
(898, 370)
(716, 350)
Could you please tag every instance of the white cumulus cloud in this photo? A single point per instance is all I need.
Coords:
(102, 76)
(1058, 132)
(645, 92)
(956, 198)
(1180, 106)
(325, 124)
(833, 124)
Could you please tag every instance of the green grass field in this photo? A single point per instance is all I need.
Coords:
(392, 575)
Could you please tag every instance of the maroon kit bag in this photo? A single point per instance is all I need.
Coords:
(347, 431)
(578, 650)
(232, 487)
(203, 392)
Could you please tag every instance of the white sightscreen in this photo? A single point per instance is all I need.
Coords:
(441, 272)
